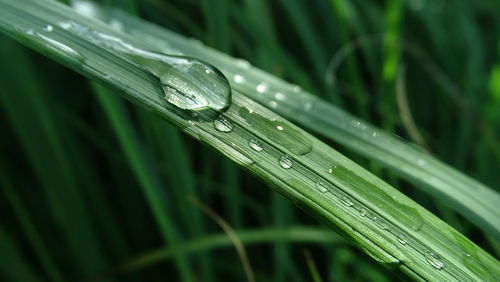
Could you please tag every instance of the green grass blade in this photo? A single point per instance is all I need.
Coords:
(149, 181)
(383, 222)
(14, 266)
(46, 148)
(293, 234)
(30, 230)
(467, 196)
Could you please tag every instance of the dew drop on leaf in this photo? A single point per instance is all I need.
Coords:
(434, 260)
(223, 125)
(321, 186)
(255, 145)
(285, 162)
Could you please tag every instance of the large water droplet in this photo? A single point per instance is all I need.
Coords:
(285, 162)
(255, 145)
(223, 125)
(188, 83)
(434, 260)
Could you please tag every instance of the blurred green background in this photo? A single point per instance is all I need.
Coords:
(88, 183)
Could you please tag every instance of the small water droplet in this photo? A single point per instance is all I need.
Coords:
(261, 88)
(244, 64)
(223, 125)
(374, 134)
(321, 186)
(85, 8)
(362, 212)
(308, 105)
(61, 48)
(239, 78)
(346, 201)
(48, 28)
(358, 124)
(116, 24)
(286, 162)
(273, 104)
(65, 25)
(379, 222)
(255, 144)
(291, 139)
(402, 239)
(434, 260)
(330, 170)
(296, 88)
(280, 96)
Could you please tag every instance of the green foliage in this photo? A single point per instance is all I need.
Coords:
(108, 181)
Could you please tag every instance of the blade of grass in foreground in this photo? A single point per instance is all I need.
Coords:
(467, 196)
(383, 222)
